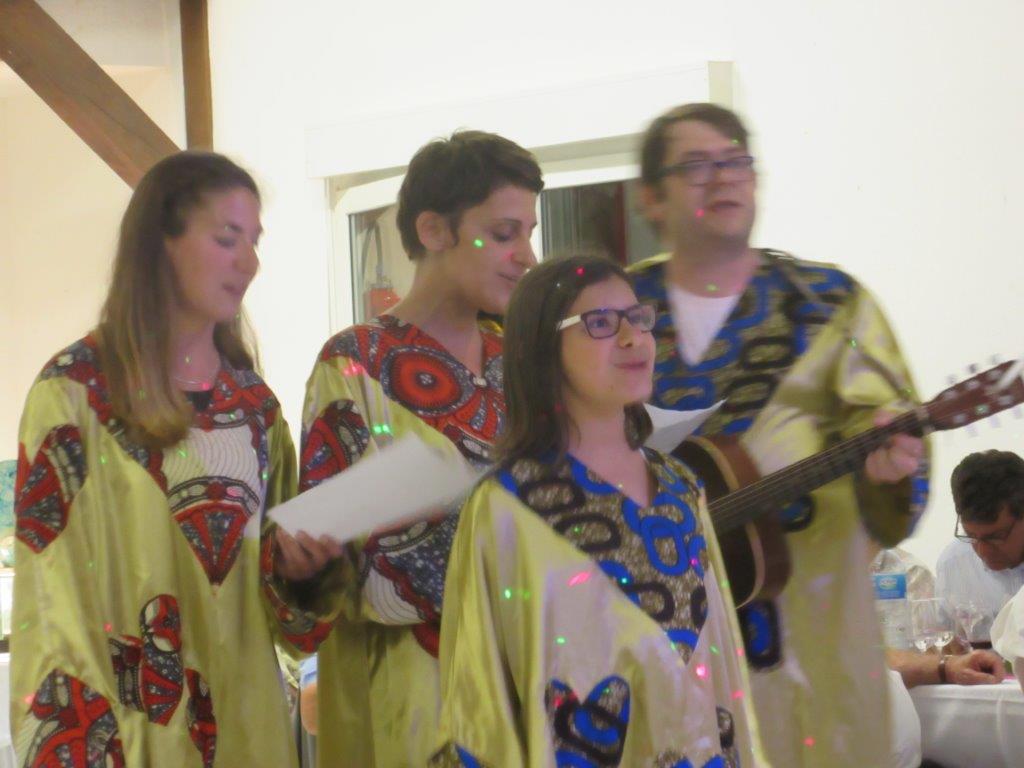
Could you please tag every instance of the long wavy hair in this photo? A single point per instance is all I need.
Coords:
(134, 329)
(536, 421)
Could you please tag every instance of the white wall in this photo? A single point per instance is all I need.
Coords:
(60, 205)
(886, 129)
(276, 74)
(886, 132)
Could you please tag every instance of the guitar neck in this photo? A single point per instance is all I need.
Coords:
(778, 489)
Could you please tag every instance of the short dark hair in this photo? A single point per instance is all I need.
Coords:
(983, 483)
(652, 148)
(536, 422)
(447, 176)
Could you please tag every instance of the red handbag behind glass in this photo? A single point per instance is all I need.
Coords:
(379, 295)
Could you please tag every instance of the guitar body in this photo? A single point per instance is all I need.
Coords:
(756, 555)
(744, 507)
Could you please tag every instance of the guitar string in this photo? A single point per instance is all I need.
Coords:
(736, 508)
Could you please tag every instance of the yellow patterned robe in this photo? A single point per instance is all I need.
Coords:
(799, 371)
(140, 633)
(583, 630)
(376, 614)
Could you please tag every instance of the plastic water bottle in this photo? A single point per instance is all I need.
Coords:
(890, 578)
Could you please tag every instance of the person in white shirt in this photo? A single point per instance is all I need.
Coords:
(985, 565)
(910, 668)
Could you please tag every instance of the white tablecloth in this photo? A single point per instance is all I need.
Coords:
(972, 726)
(6, 749)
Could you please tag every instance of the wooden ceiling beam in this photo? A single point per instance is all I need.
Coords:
(75, 87)
(195, 61)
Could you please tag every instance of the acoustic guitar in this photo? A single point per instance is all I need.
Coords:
(744, 507)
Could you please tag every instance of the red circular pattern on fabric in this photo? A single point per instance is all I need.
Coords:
(422, 381)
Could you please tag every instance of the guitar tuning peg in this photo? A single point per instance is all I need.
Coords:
(972, 368)
(972, 430)
(995, 359)
(952, 379)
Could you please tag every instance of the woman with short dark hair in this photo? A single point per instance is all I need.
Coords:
(428, 366)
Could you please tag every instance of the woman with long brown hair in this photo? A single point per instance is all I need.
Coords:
(585, 624)
(149, 451)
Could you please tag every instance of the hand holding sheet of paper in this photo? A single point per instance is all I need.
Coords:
(406, 479)
(672, 427)
(302, 557)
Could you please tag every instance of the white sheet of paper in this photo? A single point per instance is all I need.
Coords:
(672, 427)
(402, 480)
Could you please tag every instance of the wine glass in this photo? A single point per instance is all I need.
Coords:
(932, 623)
(967, 614)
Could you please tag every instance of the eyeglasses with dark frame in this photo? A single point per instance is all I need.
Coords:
(698, 173)
(992, 538)
(605, 323)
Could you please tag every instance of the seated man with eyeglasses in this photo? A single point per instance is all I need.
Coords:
(985, 565)
(802, 355)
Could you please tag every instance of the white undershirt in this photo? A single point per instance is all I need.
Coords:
(698, 319)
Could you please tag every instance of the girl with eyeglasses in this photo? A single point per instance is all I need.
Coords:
(587, 622)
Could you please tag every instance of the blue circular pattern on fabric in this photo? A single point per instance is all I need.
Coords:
(622, 577)
(467, 760)
(581, 476)
(584, 724)
(674, 487)
(760, 286)
(684, 387)
(508, 482)
(665, 384)
(731, 353)
(698, 546)
(686, 636)
(655, 528)
(759, 630)
(688, 524)
(611, 734)
(738, 427)
(798, 515)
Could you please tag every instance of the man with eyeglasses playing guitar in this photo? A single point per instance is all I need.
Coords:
(803, 358)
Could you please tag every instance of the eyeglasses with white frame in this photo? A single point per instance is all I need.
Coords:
(604, 323)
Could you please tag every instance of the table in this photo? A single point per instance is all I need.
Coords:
(6, 748)
(972, 726)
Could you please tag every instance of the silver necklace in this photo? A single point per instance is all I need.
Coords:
(205, 382)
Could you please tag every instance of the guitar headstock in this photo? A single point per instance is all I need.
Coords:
(978, 397)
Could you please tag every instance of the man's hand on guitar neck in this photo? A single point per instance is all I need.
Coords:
(897, 459)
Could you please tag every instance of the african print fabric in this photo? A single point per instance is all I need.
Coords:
(376, 615)
(800, 370)
(141, 636)
(583, 630)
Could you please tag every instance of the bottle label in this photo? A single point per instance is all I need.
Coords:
(890, 586)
